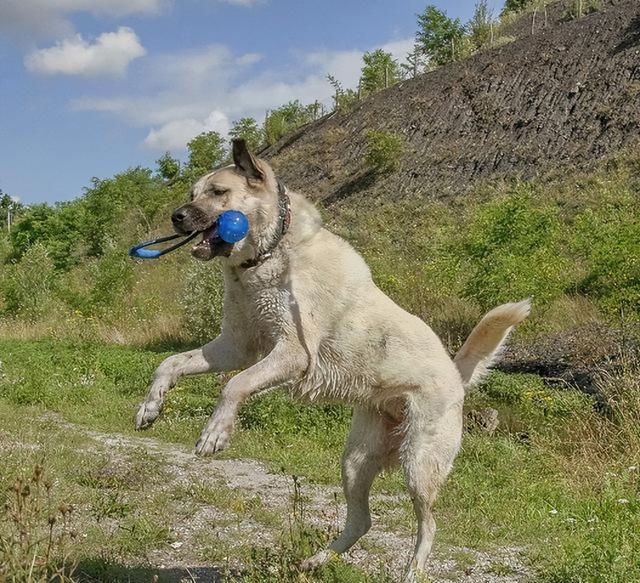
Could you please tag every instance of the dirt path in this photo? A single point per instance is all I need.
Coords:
(248, 482)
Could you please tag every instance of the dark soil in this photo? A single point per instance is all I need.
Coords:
(568, 94)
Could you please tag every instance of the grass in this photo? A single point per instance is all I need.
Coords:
(558, 479)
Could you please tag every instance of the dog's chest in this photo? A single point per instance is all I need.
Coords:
(265, 309)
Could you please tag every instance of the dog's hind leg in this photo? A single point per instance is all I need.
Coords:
(366, 453)
(219, 355)
(431, 441)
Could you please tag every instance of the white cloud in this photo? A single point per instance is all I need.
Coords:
(177, 92)
(174, 135)
(23, 20)
(110, 54)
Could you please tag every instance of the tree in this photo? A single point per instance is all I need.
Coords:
(206, 151)
(415, 63)
(10, 207)
(247, 129)
(287, 118)
(480, 26)
(379, 71)
(343, 99)
(515, 5)
(168, 167)
(440, 37)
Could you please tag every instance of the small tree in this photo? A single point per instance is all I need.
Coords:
(480, 27)
(247, 128)
(515, 5)
(343, 99)
(287, 118)
(380, 71)
(206, 151)
(168, 166)
(415, 63)
(440, 37)
(10, 207)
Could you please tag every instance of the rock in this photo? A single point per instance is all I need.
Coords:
(483, 420)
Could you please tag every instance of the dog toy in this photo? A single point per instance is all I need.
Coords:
(231, 227)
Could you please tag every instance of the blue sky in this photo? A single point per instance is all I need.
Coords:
(92, 87)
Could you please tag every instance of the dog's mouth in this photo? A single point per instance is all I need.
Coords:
(211, 245)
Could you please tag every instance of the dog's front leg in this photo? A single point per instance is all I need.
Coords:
(219, 355)
(285, 362)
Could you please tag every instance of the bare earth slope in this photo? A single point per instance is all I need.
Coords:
(567, 95)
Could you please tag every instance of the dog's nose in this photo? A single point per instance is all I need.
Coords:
(178, 217)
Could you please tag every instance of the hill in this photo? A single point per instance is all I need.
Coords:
(565, 96)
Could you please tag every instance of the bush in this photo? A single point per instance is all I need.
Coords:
(608, 240)
(202, 299)
(27, 286)
(384, 151)
(511, 250)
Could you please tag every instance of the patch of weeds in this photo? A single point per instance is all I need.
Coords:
(137, 535)
(35, 536)
(501, 569)
(110, 505)
(384, 151)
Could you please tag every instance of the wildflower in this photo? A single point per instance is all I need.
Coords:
(553, 511)
(632, 468)
(623, 501)
(570, 520)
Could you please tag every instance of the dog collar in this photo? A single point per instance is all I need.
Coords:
(284, 220)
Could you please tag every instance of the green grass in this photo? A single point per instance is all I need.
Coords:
(552, 481)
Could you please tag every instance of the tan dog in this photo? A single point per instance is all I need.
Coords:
(301, 309)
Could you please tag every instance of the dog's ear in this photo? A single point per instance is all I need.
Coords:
(245, 161)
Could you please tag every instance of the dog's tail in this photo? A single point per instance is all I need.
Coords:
(483, 345)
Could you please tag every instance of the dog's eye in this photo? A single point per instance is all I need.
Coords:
(219, 191)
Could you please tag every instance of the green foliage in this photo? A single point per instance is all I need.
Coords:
(343, 99)
(168, 166)
(9, 207)
(247, 129)
(440, 37)
(607, 239)
(206, 151)
(480, 27)
(287, 118)
(202, 299)
(128, 199)
(384, 151)
(579, 8)
(380, 71)
(58, 228)
(515, 5)
(26, 287)
(511, 250)
(415, 62)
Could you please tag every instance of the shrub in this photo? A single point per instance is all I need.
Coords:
(511, 250)
(384, 151)
(608, 240)
(287, 118)
(27, 286)
(202, 299)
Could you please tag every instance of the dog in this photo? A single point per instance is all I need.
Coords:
(301, 310)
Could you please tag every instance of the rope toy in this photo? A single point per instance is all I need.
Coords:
(231, 227)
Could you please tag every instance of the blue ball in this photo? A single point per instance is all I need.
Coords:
(233, 226)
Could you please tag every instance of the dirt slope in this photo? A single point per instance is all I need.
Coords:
(567, 95)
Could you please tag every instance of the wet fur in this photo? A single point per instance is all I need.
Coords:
(311, 318)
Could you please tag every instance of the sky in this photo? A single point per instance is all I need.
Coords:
(89, 88)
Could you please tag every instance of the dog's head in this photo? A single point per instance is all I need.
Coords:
(248, 186)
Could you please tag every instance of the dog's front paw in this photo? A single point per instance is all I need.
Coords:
(317, 560)
(213, 439)
(149, 411)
